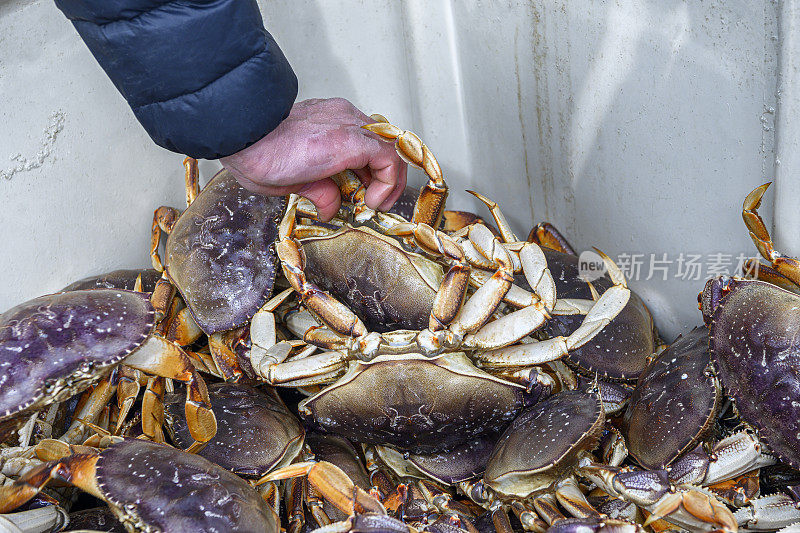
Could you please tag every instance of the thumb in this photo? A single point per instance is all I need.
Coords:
(325, 196)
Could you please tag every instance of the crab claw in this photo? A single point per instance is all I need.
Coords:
(684, 507)
(783, 266)
(334, 485)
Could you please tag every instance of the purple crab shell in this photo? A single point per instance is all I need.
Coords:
(124, 279)
(755, 343)
(220, 253)
(674, 403)
(54, 346)
(157, 487)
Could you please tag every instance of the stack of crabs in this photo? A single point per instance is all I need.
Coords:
(416, 370)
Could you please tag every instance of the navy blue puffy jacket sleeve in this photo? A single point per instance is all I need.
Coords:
(203, 77)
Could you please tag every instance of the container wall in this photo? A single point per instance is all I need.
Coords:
(637, 127)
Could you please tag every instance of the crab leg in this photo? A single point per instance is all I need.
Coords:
(653, 491)
(163, 294)
(334, 485)
(183, 329)
(735, 455)
(335, 314)
(204, 362)
(127, 391)
(534, 266)
(547, 507)
(78, 470)
(49, 518)
(166, 359)
(453, 288)
(224, 357)
(92, 409)
(453, 221)
(430, 203)
(571, 498)
(153, 409)
(694, 510)
(164, 219)
(545, 234)
(312, 366)
(528, 517)
(192, 177)
(499, 219)
(755, 269)
(294, 501)
(263, 336)
(483, 303)
(514, 326)
(784, 265)
(519, 297)
(768, 513)
(501, 522)
(475, 257)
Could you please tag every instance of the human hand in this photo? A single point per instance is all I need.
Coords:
(318, 139)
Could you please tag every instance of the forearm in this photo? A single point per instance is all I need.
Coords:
(204, 78)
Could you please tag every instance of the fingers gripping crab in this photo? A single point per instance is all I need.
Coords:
(410, 287)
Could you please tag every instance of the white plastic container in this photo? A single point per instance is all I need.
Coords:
(634, 126)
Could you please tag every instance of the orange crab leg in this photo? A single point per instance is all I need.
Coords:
(163, 294)
(336, 315)
(334, 485)
(183, 329)
(545, 234)
(433, 194)
(153, 409)
(127, 391)
(788, 267)
(192, 177)
(754, 269)
(91, 410)
(164, 219)
(163, 358)
(78, 470)
(453, 288)
(453, 221)
(223, 355)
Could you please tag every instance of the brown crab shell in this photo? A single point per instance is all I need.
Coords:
(674, 403)
(54, 346)
(124, 279)
(256, 432)
(415, 403)
(385, 286)
(544, 441)
(464, 462)
(619, 352)
(154, 487)
(220, 253)
(755, 343)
